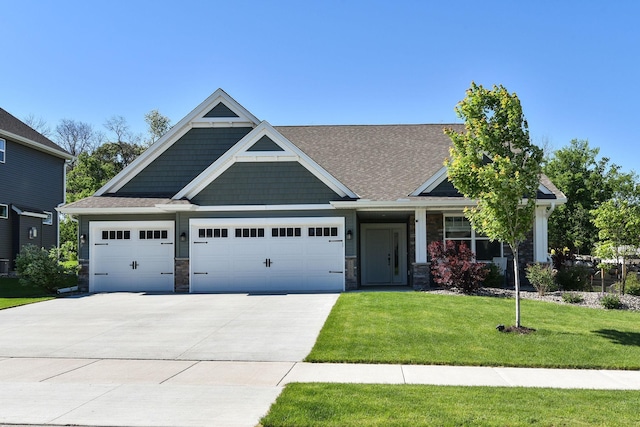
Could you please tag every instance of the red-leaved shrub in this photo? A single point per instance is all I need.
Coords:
(454, 266)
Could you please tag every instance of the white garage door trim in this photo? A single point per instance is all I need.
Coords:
(269, 262)
(122, 260)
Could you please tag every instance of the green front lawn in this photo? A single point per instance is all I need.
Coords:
(13, 294)
(423, 328)
(357, 405)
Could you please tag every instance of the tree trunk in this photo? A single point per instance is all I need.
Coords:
(516, 280)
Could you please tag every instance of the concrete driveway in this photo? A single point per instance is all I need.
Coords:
(236, 327)
(153, 360)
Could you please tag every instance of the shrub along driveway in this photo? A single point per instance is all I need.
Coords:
(180, 327)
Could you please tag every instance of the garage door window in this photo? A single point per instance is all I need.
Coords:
(116, 235)
(323, 231)
(286, 232)
(249, 232)
(153, 234)
(205, 233)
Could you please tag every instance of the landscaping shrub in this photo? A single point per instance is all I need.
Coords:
(632, 284)
(39, 267)
(574, 278)
(454, 266)
(610, 301)
(541, 276)
(571, 298)
(493, 278)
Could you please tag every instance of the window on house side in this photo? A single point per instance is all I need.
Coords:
(4, 211)
(3, 150)
(458, 229)
(49, 219)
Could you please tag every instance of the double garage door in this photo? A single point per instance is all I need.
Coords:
(226, 255)
(272, 255)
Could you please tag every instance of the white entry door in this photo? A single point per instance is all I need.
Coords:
(267, 255)
(136, 256)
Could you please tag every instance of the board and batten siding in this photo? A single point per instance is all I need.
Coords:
(30, 179)
(266, 183)
(184, 160)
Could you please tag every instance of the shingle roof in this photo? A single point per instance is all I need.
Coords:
(104, 202)
(10, 123)
(377, 162)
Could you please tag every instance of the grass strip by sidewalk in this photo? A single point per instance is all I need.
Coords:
(423, 328)
(359, 405)
(13, 294)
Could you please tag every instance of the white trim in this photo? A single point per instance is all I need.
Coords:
(331, 220)
(472, 240)
(248, 208)
(164, 208)
(33, 144)
(541, 234)
(6, 210)
(240, 153)
(110, 211)
(430, 184)
(421, 235)
(28, 213)
(193, 119)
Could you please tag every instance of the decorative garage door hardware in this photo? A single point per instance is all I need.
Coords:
(134, 265)
(267, 262)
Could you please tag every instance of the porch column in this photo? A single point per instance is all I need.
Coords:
(419, 268)
(421, 236)
(540, 234)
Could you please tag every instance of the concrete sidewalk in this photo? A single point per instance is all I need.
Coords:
(97, 392)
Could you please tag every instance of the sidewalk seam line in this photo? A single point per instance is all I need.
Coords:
(286, 374)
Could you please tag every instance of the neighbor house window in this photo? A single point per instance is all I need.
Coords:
(4, 211)
(49, 219)
(3, 150)
(458, 229)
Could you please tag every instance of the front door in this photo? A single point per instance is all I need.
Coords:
(384, 254)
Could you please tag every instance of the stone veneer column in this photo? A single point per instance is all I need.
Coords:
(181, 284)
(83, 275)
(350, 273)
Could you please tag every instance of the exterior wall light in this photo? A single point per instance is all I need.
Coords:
(183, 237)
(33, 233)
(83, 239)
(349, 234)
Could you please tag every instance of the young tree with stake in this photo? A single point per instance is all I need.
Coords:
(495, 164)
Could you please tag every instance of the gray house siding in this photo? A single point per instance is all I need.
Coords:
(184, 160)
(266, 183)
(31, 180)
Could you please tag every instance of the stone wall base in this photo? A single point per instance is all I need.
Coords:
(83, 275)
(350, 273)
(420, 275)
(181, 284)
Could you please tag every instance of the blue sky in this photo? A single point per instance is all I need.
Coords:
(574, 64)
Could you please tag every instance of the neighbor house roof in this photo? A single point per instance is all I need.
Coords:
(15, 129)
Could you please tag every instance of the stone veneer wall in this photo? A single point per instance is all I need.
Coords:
(181, 284)
(350, 273)
(83, 275)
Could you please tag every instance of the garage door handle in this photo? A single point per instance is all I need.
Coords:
(338, 272)
(100, 274)
(166, 273)
(197, 272)
(335, 241)
(195, 243)
(166, 243)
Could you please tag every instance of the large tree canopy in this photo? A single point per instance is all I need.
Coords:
(587, 182)
(495, 163)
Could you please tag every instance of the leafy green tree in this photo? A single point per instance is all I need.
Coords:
(495, 164)
(618, 222)
(157, 125)
(587, 182)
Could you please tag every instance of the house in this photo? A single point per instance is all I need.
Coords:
(32, 175)
(225, 202)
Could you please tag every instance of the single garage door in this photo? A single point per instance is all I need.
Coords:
(267, 255)
(136, 256)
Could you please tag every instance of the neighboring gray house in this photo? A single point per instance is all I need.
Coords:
(225, 202)
(32, 176)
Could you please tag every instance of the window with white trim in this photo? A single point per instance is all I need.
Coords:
(3, 150)
(49, 219)
(458, 229)
(4, 211)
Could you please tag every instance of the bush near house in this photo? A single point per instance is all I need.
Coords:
(40, 267)
(573, 278)
(454, 266)
(542, 277)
